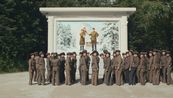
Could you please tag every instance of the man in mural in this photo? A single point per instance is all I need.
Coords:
(82, 38)
(94, 36)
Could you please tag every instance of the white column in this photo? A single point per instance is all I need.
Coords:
(50, 33)
(124, 36)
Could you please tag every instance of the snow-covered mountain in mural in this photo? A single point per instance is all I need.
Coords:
(67, 35)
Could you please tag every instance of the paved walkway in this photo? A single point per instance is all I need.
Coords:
(15, 85)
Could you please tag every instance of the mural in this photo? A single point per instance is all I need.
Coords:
(68, 35)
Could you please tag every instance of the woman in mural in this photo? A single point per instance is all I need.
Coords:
(82, 38)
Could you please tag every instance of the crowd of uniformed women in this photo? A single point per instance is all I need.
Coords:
(130, 67)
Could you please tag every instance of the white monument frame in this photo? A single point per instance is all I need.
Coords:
(103, 14)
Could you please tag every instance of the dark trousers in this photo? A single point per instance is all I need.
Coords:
(132, 76)
(62, 75)
(126, 75)
(94, 47)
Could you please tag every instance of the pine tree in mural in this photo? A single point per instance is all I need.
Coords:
(110, 37)
(63, 36)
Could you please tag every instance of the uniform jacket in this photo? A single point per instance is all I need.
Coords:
(94, 36)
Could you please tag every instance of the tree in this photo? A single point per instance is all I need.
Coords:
(110, 36)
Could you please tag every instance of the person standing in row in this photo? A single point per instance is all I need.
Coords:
(102, 64)
(95, 68)
(88, 60)
(116, 66)
(68, 69)
(79, 68)
(55, 63)
(168, 68)
(126, 67)
(107, 69)
(32, 68)
(83, 68)
(73, 67)
(62, 67)
(141, 67)
(132, 74)
(150, 63)
(49, 68)
(37, 66)
(156, 67)
(163, 61)
(146, 60)
(41, 68)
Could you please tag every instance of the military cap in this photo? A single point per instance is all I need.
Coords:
(80, 53)
(40, 53)
(47, 53)
(69, 53)
(163, 50)
(135, 52)
(130, 51)
(150, 52)
(32, 54)
(101, 54)
(74, 53)
(168, 52)
(36, 53)
(127, 52)
(105, 51)
(155, 50)
(116, 51)
(62, 53)
(108, 53)
(95, 52)
(142, 53)
(123, 53)
(85, 51)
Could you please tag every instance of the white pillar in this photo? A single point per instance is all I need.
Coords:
(124, 36)
(50, 33)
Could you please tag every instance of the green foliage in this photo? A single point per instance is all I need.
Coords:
(23, 29)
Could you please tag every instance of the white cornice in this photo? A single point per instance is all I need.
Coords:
(75, 11)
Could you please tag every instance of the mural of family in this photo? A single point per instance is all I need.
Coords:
(80, 35)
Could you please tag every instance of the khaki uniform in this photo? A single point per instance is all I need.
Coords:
(88, 66)
(94, 36)
(132, 75)
(68, 71)
(41, 74)
(49, 70)
(168, 70)
(73, 70)
(95, 70)
(142, 71)
(83, 70)
(55, 71)
(150, 63)
(37, 68)
(107, 71)
(32, 69)
(117, 67)
(126, 69)
(82, 38)
(156, 69)
(146, 68)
